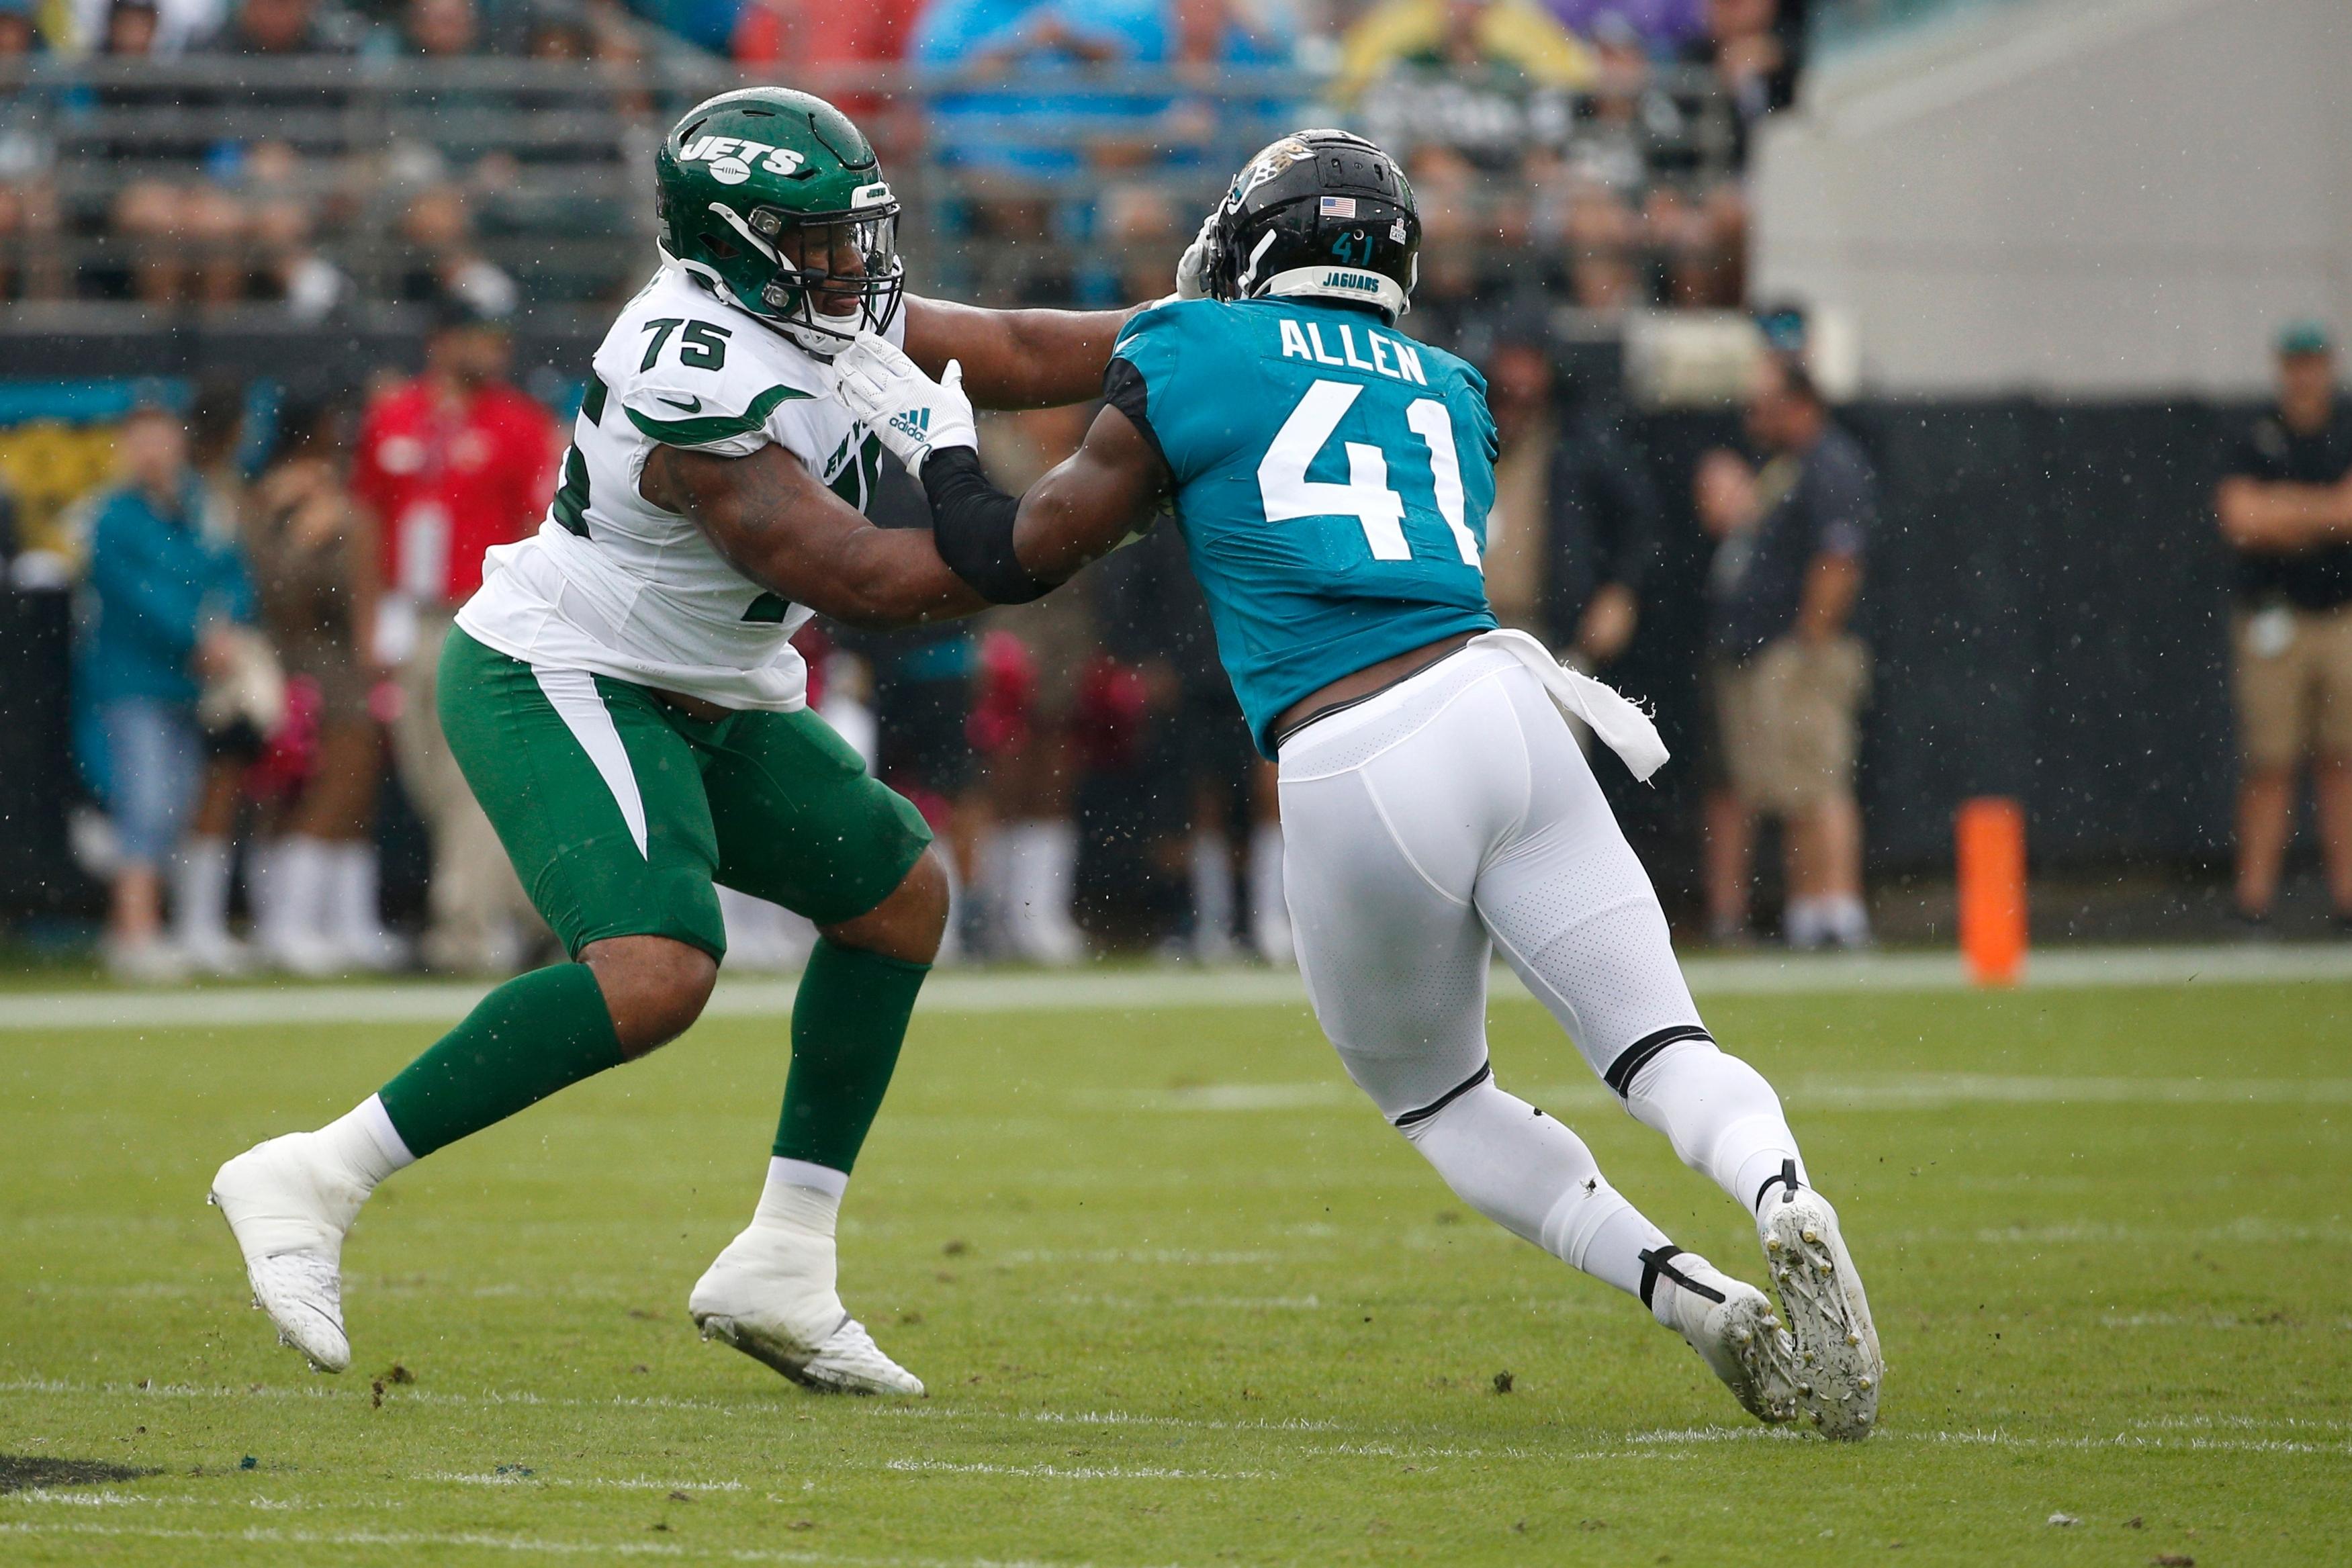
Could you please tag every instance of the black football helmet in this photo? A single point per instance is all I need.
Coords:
(1318, 212)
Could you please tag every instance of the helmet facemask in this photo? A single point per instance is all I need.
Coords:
(850, 264)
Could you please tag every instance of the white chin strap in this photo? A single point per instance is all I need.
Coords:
(815, 340)
(1336, 283)
(818, 339)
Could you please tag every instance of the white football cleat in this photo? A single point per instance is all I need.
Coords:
(1732, 1326)
(770, 1294)
(1839, 1364)
(289, 1209)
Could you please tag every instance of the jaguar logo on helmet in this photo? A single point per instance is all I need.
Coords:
(1271, 163)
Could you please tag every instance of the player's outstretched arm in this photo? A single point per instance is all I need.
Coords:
(1016, 359)
(1010, 552)
(772, 520)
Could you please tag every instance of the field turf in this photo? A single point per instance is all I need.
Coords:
(1181, 1298)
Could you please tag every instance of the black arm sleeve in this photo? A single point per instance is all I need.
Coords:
(972, 524)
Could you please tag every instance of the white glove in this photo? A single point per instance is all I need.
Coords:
(1192, 267)
(889, 394)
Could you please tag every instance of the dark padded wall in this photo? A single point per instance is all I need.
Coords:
(2047, 601)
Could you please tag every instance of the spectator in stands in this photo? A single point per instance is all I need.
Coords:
(1574, 529)
(1662, 26)
(1140, 229)
(2285, 507)
(186, 240)
(286, 28)
(292, 266)
(1050, 124)
(439, 230)
(1472, 39)
(559, 34)
(1207, 122)
(441, 29)
(166, 582)
(1752, 60)
(30, 263)
(310, 549)
(833, 50)
(446, 466)
(147, 27)
(233, 737)
(1787, 676)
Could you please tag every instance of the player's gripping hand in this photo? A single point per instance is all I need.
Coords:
(889, 394)
(1192, 267)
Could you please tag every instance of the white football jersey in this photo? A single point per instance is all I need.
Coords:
(614, 585)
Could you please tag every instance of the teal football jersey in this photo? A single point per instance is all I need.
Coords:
(1332, 477)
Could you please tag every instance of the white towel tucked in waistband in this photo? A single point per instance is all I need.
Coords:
(1626, 730)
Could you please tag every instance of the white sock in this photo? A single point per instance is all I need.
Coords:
(1535, 1179)
(294, 890)
(200, 892)
(1722, 1118)
(1213, 895)
(1269, 912)
(366, 1142)
(355, 909)
(1805, 923)
(801, 1194)
(1846, 919)
(1055, 859)
(1040, 866)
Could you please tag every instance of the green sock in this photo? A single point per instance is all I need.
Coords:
(848, 1021)
(522, 1043)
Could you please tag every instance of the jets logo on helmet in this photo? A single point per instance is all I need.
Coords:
(774, 201)
(732, 158)
(1317, 213)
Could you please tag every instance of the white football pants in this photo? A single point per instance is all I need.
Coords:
(1454, 814)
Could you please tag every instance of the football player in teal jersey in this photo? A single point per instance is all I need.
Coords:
(1332, 479)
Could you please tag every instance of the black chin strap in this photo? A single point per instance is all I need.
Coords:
(1657, 1263)
(1787, 1179)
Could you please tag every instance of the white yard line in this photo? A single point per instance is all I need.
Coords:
(1135, 989)
(476, 1541)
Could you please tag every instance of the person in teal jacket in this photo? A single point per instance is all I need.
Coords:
(164, 581)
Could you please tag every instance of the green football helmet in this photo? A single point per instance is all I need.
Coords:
(777, 201)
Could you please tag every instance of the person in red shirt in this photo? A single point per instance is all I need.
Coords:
(447, 466)
(835, 48)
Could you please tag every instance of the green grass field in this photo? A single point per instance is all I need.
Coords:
(1181, 1298)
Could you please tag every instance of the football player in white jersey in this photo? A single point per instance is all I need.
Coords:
(626, 705)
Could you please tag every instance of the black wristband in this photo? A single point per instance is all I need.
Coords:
(972, 524)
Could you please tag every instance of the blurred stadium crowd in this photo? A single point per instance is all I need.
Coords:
(263, 578)
(185, 152)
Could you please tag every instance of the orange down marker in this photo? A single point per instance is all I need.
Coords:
(1990, 831)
